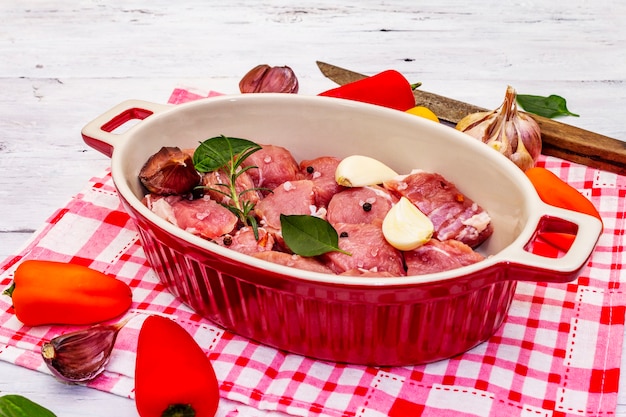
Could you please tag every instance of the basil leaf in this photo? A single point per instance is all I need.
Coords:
(217, 152)
(309, 235)
(19, 406)
(551, 106)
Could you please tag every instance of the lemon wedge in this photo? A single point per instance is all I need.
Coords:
(361, 171)
(405, 227)
(424, 112)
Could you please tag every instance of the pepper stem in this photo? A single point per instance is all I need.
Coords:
(415, 85)
(9, 291)
(179, 410)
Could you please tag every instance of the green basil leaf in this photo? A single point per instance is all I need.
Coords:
(19, 406)
(217, 152)
(309, 235)
(551, 106)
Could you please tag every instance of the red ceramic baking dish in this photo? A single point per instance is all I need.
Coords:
(374, 321)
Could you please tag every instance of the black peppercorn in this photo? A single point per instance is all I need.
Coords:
(343, 234)
(310, 169)
(197, 193)
(228, 240)
(367, 206)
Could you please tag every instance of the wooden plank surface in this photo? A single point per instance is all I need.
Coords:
(64, 62)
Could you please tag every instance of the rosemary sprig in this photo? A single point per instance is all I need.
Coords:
(228, 154)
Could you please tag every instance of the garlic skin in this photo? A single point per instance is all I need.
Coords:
(405, 227)
(361, 171)
(266, 79)
(81, 356)
(514, 134)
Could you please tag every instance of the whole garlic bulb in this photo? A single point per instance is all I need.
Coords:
(514, 134)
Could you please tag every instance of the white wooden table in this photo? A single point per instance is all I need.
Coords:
(64, 62)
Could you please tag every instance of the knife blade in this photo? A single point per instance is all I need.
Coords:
(558, 139)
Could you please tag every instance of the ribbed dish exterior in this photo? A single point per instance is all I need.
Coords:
(360, 325)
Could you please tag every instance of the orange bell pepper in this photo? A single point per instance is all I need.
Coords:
(556, 192)
(49, 292)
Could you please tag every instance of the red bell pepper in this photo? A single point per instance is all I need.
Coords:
(173, 375)
(388, 88)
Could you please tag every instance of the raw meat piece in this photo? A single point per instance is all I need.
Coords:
(322, 172)
(274, 166)
(244, 241)
(359, 205)
(294, 261)
(292, 197)
(203, 217)
(212, 181)
(361, 273)
(437, 256)
(368, 248)
(162, 205)
(453, 215)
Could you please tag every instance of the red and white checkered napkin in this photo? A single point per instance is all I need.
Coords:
(557, 354)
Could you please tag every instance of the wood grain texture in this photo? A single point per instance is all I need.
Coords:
(64, 62)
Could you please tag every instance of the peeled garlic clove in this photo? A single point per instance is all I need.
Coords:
(81, 355)
(405, 227)
(266, 79)
(169, 171)
(361, 171)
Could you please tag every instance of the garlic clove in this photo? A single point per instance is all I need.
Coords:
(266, 79)
(405, 227)
(361, 171)
(476, 123)
(250, 82)
(81, 356)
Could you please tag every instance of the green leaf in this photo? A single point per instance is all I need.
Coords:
(217, 152)
(309, 235)
(227, 154)
(551, 106)
(19, 406)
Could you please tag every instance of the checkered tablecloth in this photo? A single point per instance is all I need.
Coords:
(558, 352)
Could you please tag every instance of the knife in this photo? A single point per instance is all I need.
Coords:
(558, 139)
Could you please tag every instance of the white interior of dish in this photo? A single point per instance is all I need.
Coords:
(312, 126)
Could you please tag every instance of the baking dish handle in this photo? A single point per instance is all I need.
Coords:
(100, 132)
(527, 266)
